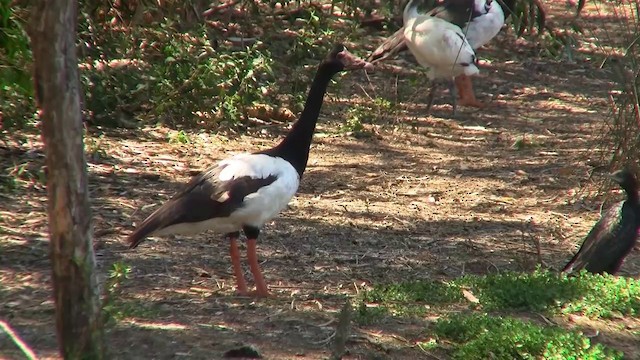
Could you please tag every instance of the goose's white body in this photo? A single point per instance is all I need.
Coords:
(439, 46)
(478, 30)
(263, 205)
(258, 207)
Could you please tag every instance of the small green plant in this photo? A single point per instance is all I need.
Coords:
(481, 336)
(111, 307)
(117, 275)
(524, 142)
(366, 315)
(179, 137)
(605, 296)
(409, 299)
(8, 184)
(114, 307)
(94, 148)
(353, 124)
(27, 172)
(359, 114)
(382, 104)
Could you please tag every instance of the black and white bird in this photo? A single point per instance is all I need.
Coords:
(614, 235)
(439, 46)
(479, 21)
(245, 191)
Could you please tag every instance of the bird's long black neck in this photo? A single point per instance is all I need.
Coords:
(295, 146)
(632, 194)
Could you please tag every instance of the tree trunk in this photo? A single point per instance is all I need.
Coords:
(76, 293)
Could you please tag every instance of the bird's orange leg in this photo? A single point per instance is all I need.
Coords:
(237, 267)
(261, 286)
(465, 89)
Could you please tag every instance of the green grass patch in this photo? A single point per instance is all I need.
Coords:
(593, 295)
(405, 299)
(480, 336)
(596, 296)
(427, 292)
(477, 335)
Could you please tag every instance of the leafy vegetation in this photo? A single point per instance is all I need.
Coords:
(24, 173)
(621, 128)
(192, 84)
(589, 294)
(118, 274)
(16, 88)
(147, 64)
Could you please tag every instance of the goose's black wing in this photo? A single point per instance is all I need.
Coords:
(205, 197)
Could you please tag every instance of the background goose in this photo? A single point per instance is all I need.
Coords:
(245, 191)
(614, 235)
(439, 46)
(480, 21)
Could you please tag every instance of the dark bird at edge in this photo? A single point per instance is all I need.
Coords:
(614, 235)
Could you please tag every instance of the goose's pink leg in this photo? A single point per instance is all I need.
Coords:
(237, 267)
(261, 286)
(465, 89)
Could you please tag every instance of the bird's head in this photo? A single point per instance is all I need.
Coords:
(342, 59)
(626, 179)
(487, 5)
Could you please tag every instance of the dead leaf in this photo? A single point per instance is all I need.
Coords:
(469, 296)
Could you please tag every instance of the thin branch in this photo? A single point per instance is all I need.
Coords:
(28, 352)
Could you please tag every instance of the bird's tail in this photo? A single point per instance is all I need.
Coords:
(151, 224)
(390, 47)
(567, 268)
(574, 265)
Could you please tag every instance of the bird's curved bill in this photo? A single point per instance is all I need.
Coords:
(352, 62)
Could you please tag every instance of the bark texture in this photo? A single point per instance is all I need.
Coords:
(76, 293)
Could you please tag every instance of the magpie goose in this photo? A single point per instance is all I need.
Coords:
(480, 21)
(243, 192)
(439, 46)
(614, 235)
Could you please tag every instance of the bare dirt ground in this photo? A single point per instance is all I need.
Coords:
(420, 197)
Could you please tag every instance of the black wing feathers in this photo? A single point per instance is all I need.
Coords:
(204, 197)
(608, 243)
(457, 12)
(390, 47)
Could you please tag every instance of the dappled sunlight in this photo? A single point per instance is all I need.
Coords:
(391, 194)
